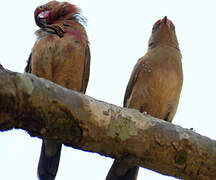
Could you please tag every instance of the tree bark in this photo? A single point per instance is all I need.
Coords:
(47, 110)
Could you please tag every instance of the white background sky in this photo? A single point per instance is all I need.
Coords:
(118, 32)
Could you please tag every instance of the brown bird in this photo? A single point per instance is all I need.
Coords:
(60, 54)
(154, 86)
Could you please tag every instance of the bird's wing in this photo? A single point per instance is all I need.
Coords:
(132, 81)
(86, 71)
(28, 66)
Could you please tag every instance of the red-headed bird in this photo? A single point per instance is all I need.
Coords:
(154, 86)
(60, 54)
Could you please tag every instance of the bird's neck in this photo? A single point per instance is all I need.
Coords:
(155, 45)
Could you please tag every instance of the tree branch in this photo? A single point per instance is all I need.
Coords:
(45, 109)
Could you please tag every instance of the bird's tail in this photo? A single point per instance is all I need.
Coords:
(120, 170)
(49, 160)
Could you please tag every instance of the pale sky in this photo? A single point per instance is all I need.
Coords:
(118, 32)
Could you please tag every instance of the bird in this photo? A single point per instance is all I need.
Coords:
(60, 54)
(154, 86)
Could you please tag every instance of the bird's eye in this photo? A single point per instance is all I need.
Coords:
(156, 26)
(171, 25)
(41, 8)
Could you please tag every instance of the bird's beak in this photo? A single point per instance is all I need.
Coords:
(165, 22)
(43, 14)
(42, 17)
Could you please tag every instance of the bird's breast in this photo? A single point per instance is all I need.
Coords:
(158, 84)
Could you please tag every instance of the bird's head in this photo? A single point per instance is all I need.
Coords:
(163, 32)
(53, 11)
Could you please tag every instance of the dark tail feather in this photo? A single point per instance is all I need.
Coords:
(122, 171)
(49, 160)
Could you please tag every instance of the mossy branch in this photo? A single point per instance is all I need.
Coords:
(47, 110)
